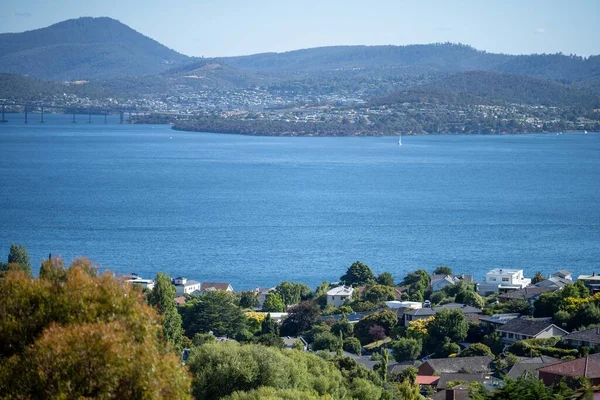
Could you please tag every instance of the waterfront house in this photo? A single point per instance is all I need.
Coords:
(522, 329)
(587, 337)
(591, 281)
(529, 294)
(422, 313)
(261, 295)
(454, 365)
(502, 280)
(528, 366)
(135, 279)
(185, 286)
(554, 281)
(440, 281)
(338, 295)
(588, 367)
(215, 286)
(497, 320)
(563, 274)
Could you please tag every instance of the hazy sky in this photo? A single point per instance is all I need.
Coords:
(234, 27)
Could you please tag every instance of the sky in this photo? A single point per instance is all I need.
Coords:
(235, 27)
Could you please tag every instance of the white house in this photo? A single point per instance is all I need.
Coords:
(144, 283)
(564, 274)
(503, 280)
(338, 295)
(183, 286)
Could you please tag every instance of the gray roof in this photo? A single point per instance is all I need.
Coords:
(451, 306)
(528, 327)
(530, 364)
(528, 293)
(398, 367)
(454, 365)
(563, 272)
(554, 281)
(445, 378)
(588, 335)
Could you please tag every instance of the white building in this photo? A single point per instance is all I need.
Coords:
(183, 286)
(338, 295)
(144, 283)
(503, 280)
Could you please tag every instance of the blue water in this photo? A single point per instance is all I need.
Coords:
(255, 211)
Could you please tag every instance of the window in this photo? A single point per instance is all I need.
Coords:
(505, 279)
(493, 279)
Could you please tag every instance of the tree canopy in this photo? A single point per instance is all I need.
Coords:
(357, 274)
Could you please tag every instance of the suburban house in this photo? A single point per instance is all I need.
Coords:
(338, 295)
(563, 274)
(529, 294)
(215, 286)
(261, 295)
(529, 366)
(502, 280)
(442, 383)
(497, 320)
(422, 313)
(289, 342)
(440, 281)
(135, 279)
(180, 300)
(588, 367)
(554, 281)
(454, 365)
(588, 337)
(521, 329)
(183, 286)
(591, 281)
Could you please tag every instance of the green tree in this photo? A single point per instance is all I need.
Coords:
(269, 326)
(292, 293)
(358, 274)
(352, 345)
(472, 299)
(476, 349)
(406, 349)
(248, 299)
(162, 297)
(273, 303)
(546, 305)
(450, 324)
(387, 319)
(537, 278)
(19, 256)
(443, 270)
(214, 311)
(385, 279)
(379, 293)
(202, 338)
(343, 327)
(301, 318)
(448, 349)
(326, 341)
(53, 270)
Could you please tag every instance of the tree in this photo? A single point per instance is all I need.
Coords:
(248, 299)
(76, 337)
(450, 324)
(342, 327)
(162, 297)
(476, 349)
(448, 349)
(385, 279)
(268, 326)
(387, 319)
(379, 293)
(352, 345)
(326, 341)
(417, 283)
(292, 293)
(472, 299)
(537, 278)
(53, 270)
(213, 311)
(301, 317)
(546, 305)
(273, 303)
(358, 274)
(406, 349)
(383, 364)
(443, 270)
(377, 332)
(19, 256)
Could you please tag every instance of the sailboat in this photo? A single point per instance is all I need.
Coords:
(400, 140)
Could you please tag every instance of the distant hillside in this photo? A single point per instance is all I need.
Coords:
(85, 48)
(24, 88)
(484, 87)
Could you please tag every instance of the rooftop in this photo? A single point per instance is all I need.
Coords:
(527, 293)
(586, 366)
(450, 306)
(214, 285)
(504, 271)
(528, 327)
(187, 283)
(471, 365)
(340, 291)
(588, 335)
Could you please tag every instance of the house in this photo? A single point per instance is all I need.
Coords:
(522, 329)
(144, 283)
(338, 295)
(554, 281)
(180, 300)
(444, 379)
(588, 367)
(215, 286)
(440, 281)
(352, 317)
(458, 392)
(502, 280)
(563, 274)
(529, 365)
(454, 365)
(261, 295)
(529, 294)
(591, 281)
(184, 286)
(588, 337)
(289, 342)
(497, 320)
(422, 313)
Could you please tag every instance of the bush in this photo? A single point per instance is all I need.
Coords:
(326, 341)
(406, 349)
(352, 345)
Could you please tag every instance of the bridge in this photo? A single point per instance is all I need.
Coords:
(29, 108)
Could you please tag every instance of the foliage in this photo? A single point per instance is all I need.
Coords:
(77, 336)
(537, 278)
(406, 349)
(292, 293)
(529, 388)
(19, 258)
(407, 390)
(537, 347)
(437, 297)
(448, 349)
(449, 324)
(379, 293)
(309, 335)
(377, 333)
(476, 349)
(343, 327)
(352, 345)
(416, 284)
(162, 297)
(213, 312)
(470, 298)
(271, 393)
(301, 318)
(386, 319)
(386, 279)
(512, 306)
(248, 299)
(326, 341)
(443, 270)
(419, 329)
(202, 338)
(219, 369)
(546, 305)
(273, 303)
(269, 339)
(357, 274)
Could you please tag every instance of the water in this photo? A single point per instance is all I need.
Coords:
(255, 211)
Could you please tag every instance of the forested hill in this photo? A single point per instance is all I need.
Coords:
(482, 87)
(85, 48)
(398, 60)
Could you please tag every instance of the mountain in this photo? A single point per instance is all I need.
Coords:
(485, 87)
(85, 48)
